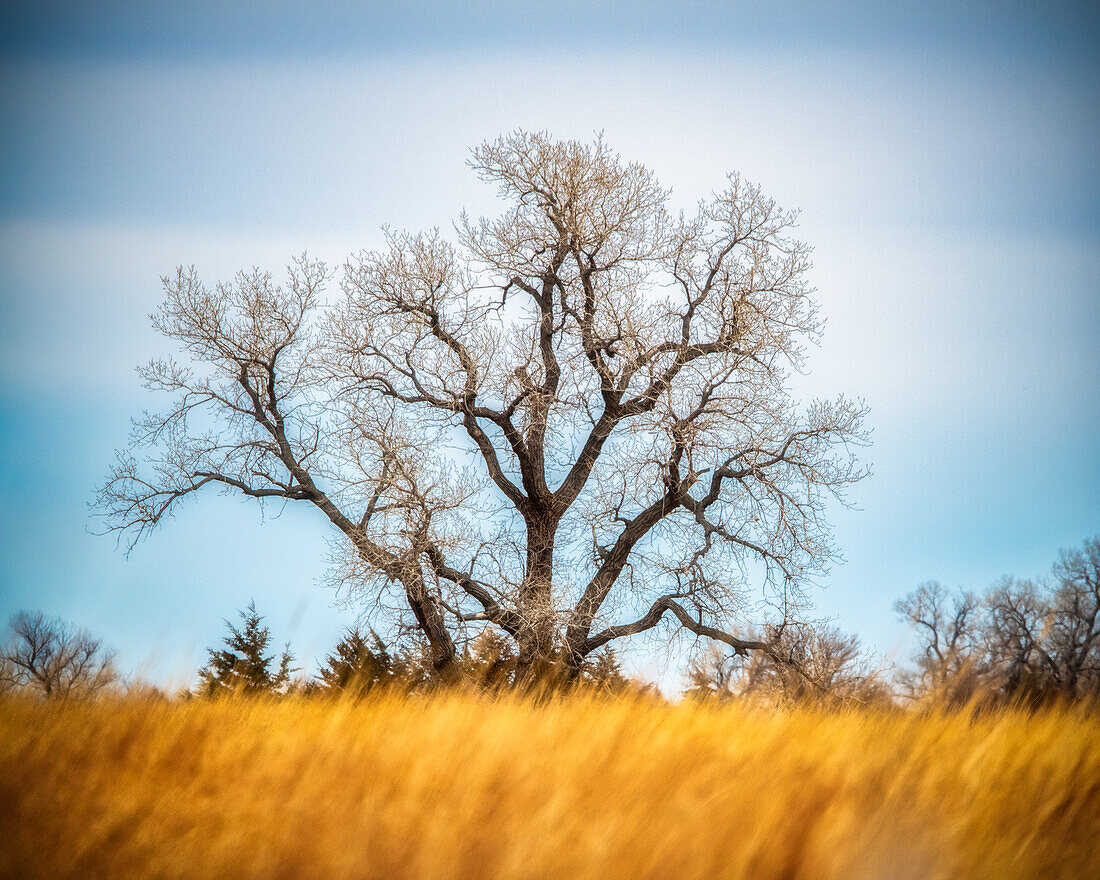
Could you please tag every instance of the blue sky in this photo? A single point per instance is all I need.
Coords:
(945, 160)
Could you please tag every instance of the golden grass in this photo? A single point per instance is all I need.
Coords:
(460, 786)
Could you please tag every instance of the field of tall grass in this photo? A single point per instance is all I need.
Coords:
(471, 787)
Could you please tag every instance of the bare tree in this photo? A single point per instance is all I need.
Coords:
(805, 662)
(1023, 639)
(1016, 626)
(572, 425)
(1075, 628)
(1044, 636)
(50, 656)
(949, 657)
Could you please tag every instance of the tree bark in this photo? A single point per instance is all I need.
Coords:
(537, 655)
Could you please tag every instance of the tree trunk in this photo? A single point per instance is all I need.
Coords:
(432, 624)
(424, 607)
(537, 649)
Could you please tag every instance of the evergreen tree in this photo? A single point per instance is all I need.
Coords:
(243, 666)
(358, 664)
(604, 670)
(490, 660)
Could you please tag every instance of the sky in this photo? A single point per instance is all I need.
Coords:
(944, 157)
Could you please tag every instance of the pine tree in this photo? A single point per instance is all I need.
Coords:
(604, 670)
(243, 667)
(358, 664)
(490, 660)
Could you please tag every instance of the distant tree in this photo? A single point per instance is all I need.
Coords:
(950, 661)
(1023, 640)
(140, 689)
(51, 657)
(1017, 625)
(9, 679)
(244, 666)
(809, 662)
(1044, 636)
(1075, 628)
(713, 674)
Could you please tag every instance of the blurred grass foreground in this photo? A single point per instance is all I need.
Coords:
(466, 786)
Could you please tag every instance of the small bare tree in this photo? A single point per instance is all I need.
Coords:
(1044, 636)
(572, 425)
(51, 657)
(950, 657)
(804, 663)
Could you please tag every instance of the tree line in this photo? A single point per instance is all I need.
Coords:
(1020, 642)
(361, 662)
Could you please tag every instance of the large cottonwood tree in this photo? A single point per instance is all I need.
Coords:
(571, 423)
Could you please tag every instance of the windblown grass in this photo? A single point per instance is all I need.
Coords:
(460, 786)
